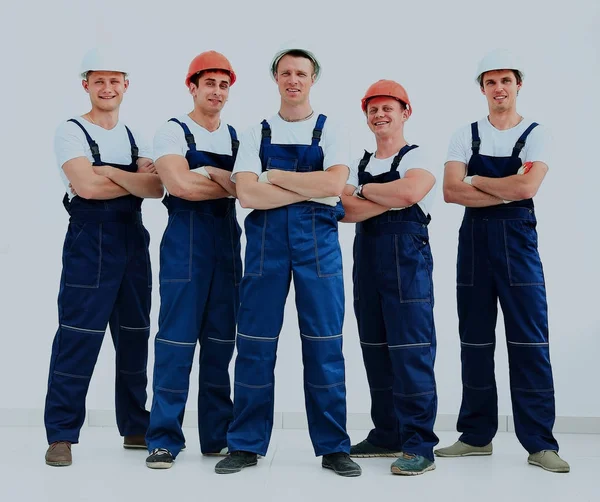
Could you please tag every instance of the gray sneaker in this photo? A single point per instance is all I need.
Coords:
(548, 460)
(460, 449)
(364, 449)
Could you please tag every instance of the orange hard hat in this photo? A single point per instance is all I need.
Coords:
(209, 60)
(387, 88)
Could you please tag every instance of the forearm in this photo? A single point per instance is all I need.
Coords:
(360, 210)
(256, 195)
(195, 187)
(100, 188)
(398, 194)
(512, 188)
(315, 184)
(466, 195)
(223, 178)
(142, 185)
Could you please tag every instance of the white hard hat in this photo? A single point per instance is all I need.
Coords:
(103, 59)
(499, 59)
(295, 45)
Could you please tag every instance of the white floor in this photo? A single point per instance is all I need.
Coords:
(103, 471)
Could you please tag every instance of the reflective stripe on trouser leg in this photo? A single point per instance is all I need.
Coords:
(477, 313)
(319, 287)
(374, 346)
(526, 320)
(89, 286)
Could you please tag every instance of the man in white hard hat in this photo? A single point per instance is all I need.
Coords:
(106, 276)
(389, 195)
(494, 168)
(291, 171)
(200, 266)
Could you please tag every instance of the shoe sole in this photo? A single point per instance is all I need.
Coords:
(59, 463)
(225, 470)
(400, 472)
(159, 465)
(215, 454)
(559, 470)
(469, 454)
(375, 455)
(135, 446)
(347, 474)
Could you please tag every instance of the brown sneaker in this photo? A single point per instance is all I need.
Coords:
(59, 454)
(135, 442)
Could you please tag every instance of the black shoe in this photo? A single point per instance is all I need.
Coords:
(235, 462)
(160, 459)
(341, 464)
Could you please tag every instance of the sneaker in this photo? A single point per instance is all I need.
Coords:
(364, 449)
(235, 462)
(58, 454)
(160, 458)
(548, 460)
(222, 453)
(341, 464)
(137, 441)
(460, 449)
(411, 465)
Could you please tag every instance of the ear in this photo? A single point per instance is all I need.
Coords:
(192, 89)
(126, 85)
(313, 77)
(85, 84)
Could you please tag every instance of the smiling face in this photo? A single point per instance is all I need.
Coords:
(210, 91)
(386, 116)
(106, 89)
(500, 88)
(294, 76)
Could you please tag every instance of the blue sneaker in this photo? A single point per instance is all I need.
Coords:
(411, 465)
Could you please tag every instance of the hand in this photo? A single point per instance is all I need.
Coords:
(146, 166)
(103, 170)
(468, 180)
(72, 189)
(525, 168)
(201, 170)
(328, 201)
(264, 177)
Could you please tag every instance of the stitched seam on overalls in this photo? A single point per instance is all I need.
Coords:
(374, 344)
(183, 344)
(314, 229)
(397, 262)
(319, 338)
(172, 391)
(258, 338)
(71, 375)
(236, 282)
(314, 386)
(76, 237)
(73, 328)
(254, 386)
(97, 285)
(214, 385)
(418, 394)
(472, 260)
(262, 249)
(129, 328)
(429, 272)
(217, 340)
(530, 344)
(478, 345)
(478, 388)
(409, 345)
(510, 280)
(191, 244)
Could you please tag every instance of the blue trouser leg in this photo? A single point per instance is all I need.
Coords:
(406, 289)
(477, 314)
(374, 345)
(90, 282)
(217, 341)
(263, 292)
(523, 300)
(130, 329)
(186, 274)
(318, 282)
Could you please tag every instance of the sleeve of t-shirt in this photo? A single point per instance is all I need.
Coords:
(419, 159)
(248, 158)
(336, 145)
(459, 148)
(538, 146)
(144, 146)
(69, 143)
(169, 140)
(353, 176)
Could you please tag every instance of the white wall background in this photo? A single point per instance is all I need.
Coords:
(432, 48)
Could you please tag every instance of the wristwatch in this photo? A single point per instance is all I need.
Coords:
(359, 192)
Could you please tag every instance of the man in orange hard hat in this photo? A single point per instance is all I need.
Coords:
(200, 265)
(389, 195)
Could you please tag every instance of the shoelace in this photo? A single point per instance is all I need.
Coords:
(160, 450)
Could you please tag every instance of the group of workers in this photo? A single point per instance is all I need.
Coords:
(293, 170)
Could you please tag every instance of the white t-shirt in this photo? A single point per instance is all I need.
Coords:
(334, 142)
(114, 146)
(170, 139)
(415, 159)
(497, 143)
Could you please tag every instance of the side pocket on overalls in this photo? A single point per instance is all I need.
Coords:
(82, 262)
(147, 256)
(522, 257)
(412, 271)
(255, 225)
(176, 248)
(465, 262)
(328, 255)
